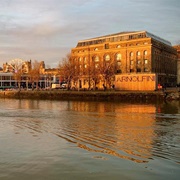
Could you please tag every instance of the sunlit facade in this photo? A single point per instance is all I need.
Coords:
(46, 78)
(178, 63)
(136, 52)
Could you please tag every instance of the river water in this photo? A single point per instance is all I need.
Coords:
(89, 140)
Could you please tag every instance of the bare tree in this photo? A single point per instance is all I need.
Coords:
(17, 71)
(67, 70)
(95, 74)
(17, 76)
(106, 70)
(34, 73)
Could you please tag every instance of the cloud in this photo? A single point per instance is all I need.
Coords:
(48, 29)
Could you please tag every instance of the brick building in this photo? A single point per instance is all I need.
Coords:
(178, 63)
(131, 53)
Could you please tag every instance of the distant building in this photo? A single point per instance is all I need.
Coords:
(133, 55)
(7, 79)
(12, 65)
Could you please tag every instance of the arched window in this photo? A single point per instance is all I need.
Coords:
(85, 59)
(118, 57)
(107, 57)
(138, 53)
(96, 58)
(145, 61)
(96, 66)
(145, 53)
(131, 54)
(80, 59)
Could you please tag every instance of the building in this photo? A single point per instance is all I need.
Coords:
(14, 64)
(132, 55)
(178, 63)
(8, 80)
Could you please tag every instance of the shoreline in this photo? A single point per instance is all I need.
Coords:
(137, 96)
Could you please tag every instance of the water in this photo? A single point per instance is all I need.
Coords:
(89, 140)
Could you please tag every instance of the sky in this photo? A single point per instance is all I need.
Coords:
(47, 30)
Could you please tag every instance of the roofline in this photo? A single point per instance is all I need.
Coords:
(150, 35)
(112, 35)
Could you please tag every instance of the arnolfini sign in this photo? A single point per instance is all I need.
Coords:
(136, 82)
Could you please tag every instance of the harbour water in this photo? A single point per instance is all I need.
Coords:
(43, 139)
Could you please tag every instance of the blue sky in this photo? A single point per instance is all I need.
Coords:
(48, 29)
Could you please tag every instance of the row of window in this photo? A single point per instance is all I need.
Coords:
(106, 46)
(115, 38)
(118, 56)
(119, 63)
(119, 70)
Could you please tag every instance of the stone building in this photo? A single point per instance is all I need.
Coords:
(178, 63)
(131, 53)
(17, 63)
(47, 76)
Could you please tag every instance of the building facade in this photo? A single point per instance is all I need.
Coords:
(178, 63)
(46, 76)
(131, 53)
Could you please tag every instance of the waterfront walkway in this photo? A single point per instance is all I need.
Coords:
(109, 95)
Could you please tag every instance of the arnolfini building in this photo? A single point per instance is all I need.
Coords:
(178, 63)
(141, 61)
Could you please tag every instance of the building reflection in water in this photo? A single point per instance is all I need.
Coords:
(128, 131)
(123, 130)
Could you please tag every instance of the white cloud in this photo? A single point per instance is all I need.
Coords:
(48, 29)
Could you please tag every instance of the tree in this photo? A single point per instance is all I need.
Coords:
(17, 76)
(34, 73)
(67, 70)
(16, 65)
(94, 74)
(106, 70)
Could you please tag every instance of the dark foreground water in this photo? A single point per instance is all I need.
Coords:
(89, 140)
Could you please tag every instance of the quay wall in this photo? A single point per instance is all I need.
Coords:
(88, 95)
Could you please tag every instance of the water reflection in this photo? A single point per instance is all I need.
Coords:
(136, 132)
(119, 129)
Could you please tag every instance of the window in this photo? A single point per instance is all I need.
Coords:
(118, 46)
(85, 66)
(96, 66)
(96, 58)
(80, 59)
(107, 57)
(85, 59)
(145, 69)
(145, 53)
(138, 62)
(96, 49)
(145, 61)
(131, 54)
(5, 77)
(138, 70)
(106, 46)
(138, 53)
(119, 71)
(118, 56)
(131, 62)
